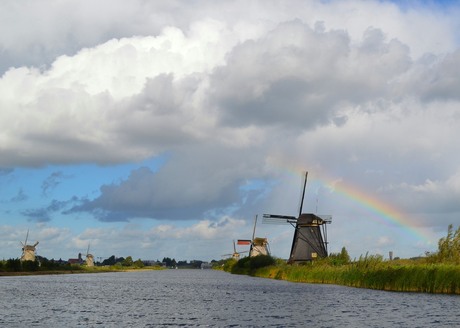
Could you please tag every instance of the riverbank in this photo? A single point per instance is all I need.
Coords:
(371, 273)
(438, 279)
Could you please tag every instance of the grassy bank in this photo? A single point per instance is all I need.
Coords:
(368, 272)
(433, 278)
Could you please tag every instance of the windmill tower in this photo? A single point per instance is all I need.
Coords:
(89, 258)
(28, 251)
(258, 245)
(310, 235)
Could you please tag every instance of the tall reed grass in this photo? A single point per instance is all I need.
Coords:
(374, 273)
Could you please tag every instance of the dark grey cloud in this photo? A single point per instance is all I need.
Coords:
(140, 196)
(45, 214)
(297, 77)
(20, 196)
(51, 182)
(187, 187)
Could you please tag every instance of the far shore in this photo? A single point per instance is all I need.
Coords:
(83, 270)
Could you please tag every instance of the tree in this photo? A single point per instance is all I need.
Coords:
(169, 262)
(13, 265)
(127, 261)
(339, 258)
(449, 246)
(30, 266)
(110, 261)
(344, 256)
(138, 263)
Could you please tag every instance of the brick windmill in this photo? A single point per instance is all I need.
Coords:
(28, 251)
(310, 234)
(89, 258)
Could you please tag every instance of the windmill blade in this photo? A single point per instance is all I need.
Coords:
(254, 230)
(234, 247)
(278, 219)
(303, 192)
(27, 236)
(87, 251)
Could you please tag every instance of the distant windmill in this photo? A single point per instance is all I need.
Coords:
(258, 245)
(310, 235)
(28, 251)
(89, 258)
(235, 255)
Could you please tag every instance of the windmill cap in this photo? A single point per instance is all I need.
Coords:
(309, 219)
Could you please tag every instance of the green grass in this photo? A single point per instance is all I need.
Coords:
(417, 277)
(368, 272)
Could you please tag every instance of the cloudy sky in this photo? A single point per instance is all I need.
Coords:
(161, 129)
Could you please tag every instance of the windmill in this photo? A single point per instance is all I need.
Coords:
(28, 251)
(258, 245)
(310, 235)
(89, 258)
(235, 255)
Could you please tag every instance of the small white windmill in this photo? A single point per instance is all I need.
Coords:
(28, 251)
(257, 245)
(89, 258)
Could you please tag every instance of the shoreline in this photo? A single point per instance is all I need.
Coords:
(82, 271)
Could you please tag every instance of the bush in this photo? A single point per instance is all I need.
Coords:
(229, 264)
(261, 261)
(138, 264)
(13, 265)
(248, 265)
(30, 266)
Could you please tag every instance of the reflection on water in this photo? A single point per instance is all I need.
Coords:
(195, 298)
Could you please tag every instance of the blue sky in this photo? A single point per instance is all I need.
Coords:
(163, 130)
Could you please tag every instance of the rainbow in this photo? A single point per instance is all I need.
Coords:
(384, 212)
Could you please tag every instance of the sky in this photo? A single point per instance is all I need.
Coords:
(163, 129)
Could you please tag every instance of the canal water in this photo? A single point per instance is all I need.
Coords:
(208, 298)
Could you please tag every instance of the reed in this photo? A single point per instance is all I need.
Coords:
(365, 273)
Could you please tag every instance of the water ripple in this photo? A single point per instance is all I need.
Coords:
(207, 298)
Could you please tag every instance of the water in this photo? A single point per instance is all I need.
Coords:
(208, 298)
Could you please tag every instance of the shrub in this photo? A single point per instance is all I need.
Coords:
(138, 264)
(13, 265)
(229, 264)
(30, 265)
(261, 261)
(248, 265)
